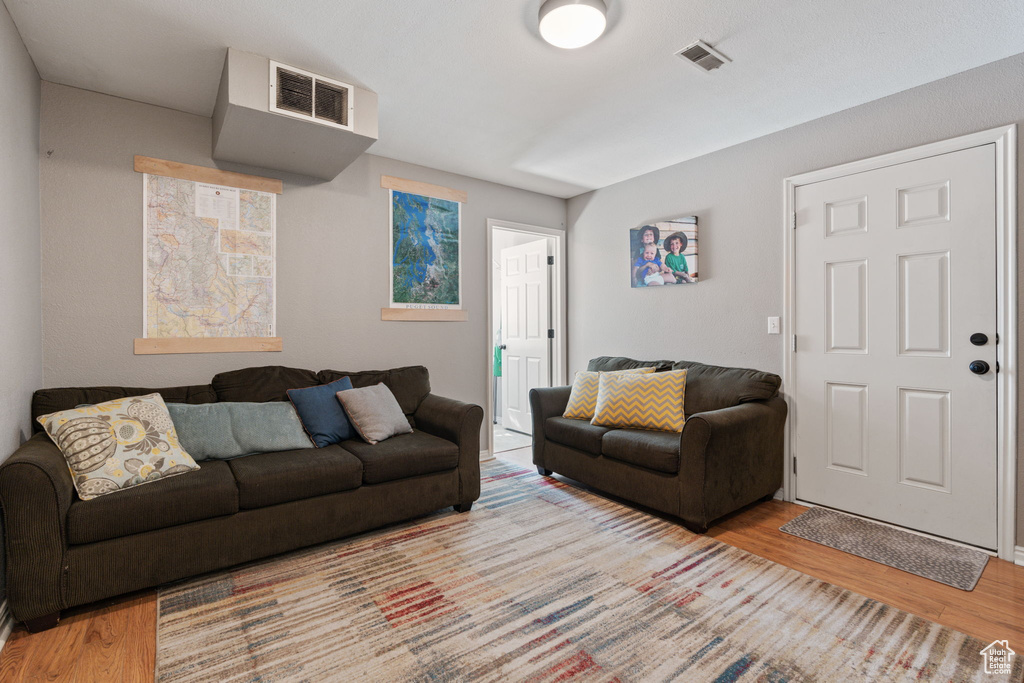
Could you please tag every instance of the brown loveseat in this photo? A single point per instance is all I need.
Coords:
(62, 551)
(728, 455)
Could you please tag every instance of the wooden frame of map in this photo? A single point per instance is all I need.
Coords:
(209, 260)
(425, 254)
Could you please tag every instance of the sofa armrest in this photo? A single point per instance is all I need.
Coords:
(36, 491)
(545, 403)
(460, 423)
(730, 458)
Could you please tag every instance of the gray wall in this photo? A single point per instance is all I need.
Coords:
(737, 195)
(20, 333)
(332, 256)
(21, 361)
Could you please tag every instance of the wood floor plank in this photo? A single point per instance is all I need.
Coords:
(54, 653)
(116, 640)
(140, 651)
(103, 648)
(14, 655)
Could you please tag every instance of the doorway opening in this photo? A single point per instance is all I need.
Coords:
(526, 329)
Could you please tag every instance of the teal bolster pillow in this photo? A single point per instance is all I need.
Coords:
(227, 430)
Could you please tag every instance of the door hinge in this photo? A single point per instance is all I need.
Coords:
(794, 343)
(551, 260)
(794, 465)
(794, 220)
(551, 334)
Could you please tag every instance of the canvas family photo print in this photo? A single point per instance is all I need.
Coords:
(664, 253)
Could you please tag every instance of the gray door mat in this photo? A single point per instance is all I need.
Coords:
(953, 565)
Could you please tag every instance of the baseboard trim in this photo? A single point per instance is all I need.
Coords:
(1018, 555)
(7, 623)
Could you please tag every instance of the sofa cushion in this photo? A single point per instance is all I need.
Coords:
(711, 387)
(405, 455)
(268, 479)
(204, 493)
(630, 401)
(583, 397)
(410, 385)
(653, 450)
(117, 445)
(320, 413)
(45, 401)
(374, 412)
(227, 429)
(606, 363)
(261, 384)
(579, 434)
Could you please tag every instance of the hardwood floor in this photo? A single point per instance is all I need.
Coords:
(116, 640)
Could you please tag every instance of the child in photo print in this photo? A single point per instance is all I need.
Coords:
(657, 260)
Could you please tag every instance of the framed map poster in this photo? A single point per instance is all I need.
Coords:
(426, 252)
(209, 262)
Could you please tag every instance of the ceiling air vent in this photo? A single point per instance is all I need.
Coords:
(305, 95)
(703, 55)
(332, 103)
(294, 92)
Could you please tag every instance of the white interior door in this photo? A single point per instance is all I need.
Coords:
(895, 271)
(525, 320)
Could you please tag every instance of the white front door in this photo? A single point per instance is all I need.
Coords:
(895, 273)
(525, 305)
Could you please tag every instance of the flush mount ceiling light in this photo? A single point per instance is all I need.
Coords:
(572, 23)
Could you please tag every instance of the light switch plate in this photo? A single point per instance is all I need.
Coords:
(773, 325)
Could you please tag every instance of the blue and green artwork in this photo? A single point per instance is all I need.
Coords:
(424, 251)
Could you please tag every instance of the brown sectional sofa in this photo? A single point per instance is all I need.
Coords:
(730, 452)
(62, 551)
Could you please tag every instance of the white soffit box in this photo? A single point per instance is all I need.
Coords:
(283, 118)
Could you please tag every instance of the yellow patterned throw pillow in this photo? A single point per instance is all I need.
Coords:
(642, 401)
(118, 444)
(583, 397)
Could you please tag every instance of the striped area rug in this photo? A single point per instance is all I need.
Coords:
(541, 582)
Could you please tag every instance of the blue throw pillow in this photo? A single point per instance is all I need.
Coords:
(228, 429)
(321, 412)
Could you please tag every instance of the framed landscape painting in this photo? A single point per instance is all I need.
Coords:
(426, 254)
(663, 253)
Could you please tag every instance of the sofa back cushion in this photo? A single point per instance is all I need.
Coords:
(410, 385)
(261, 384)
(46, 401)
(712, 387)
(606, 363)
(708, 387)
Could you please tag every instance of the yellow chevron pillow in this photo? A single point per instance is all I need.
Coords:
(583, 397)
(642, 401)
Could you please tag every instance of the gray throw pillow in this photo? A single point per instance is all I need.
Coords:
(227, 430)
(375, 412)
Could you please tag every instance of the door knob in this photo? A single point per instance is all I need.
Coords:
(502, 347)
(979, 367)
(979, 339)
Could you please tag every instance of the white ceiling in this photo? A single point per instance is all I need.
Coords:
(468, 86)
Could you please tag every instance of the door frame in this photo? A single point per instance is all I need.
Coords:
(1005, 140)
(559, 317)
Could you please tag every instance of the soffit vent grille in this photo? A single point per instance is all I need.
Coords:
(703, 55)
(294, 92)
(298, 93)
(332, 103)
